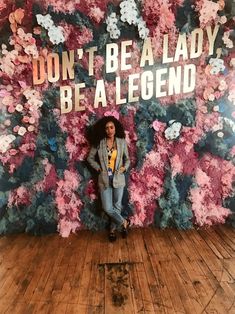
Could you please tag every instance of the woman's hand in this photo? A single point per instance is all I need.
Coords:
(122, 169)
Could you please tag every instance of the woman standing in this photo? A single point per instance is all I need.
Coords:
(108, 140)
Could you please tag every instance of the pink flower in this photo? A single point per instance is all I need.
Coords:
(156, 125)
(113, 113)
(11, 109)
(31, 120)
(16, 128)
(25, 119)
(13, 152)
(7, 122)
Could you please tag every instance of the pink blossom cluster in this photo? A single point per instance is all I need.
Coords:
(19, 196)
(76, 143)
(207, 197)
(68, 203)
(146, 184)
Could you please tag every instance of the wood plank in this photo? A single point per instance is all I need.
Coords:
(162, 271)
(218, 247)
(134, 279)
(96, 293)
(152, 271)
(84, 285)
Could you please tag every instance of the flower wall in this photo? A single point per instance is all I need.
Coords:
(182, 147)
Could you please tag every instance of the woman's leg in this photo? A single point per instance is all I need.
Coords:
(111, 202)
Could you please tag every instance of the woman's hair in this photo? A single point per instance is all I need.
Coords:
(97, 132)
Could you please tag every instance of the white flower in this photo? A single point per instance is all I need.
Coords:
(218, 126)
(112, 28)
(31, 120)
(19, 107)
(232, 62)
(22, 130)
(222, 85)
(173, 131)
(220, 134)
(7, 122)
(143, 30)
(231, 96)
(223, 19)
(5, 141)
(217, 65)
(31, 128)
(129, 12)
(230, 123)
(227, 41)
(56, 35)
(31, 50)
(216, 108)
(45, 20)
(211, 97)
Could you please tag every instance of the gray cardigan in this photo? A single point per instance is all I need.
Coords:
(122, 160)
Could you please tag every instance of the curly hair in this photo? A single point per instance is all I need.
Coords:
(97, 132)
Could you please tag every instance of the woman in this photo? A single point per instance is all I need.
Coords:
(108, 140)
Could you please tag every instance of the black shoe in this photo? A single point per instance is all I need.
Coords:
(112, 236)
(125, 229)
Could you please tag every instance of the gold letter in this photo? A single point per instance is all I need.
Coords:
(119, 101)
(165, 58)
(125, 55)
(133, 87)
(79, 97)
(65, 99)
(39, 74)
(197, 35)
(189, 84)
(68, 65)
(174, 80)
(147, 53)
(181, 48)
(100, 95)
(91, 52)
(160, 82)
(111, 57)
(53, 64)
(147, 85)
(211, 38)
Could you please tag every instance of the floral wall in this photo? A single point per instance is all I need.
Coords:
(182, 147)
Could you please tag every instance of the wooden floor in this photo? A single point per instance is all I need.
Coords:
(152, 271)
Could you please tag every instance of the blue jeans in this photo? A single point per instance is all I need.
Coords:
(112, 204)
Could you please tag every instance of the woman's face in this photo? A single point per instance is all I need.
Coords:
(110, 129)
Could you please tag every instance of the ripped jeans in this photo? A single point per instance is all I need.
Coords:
(112, 204)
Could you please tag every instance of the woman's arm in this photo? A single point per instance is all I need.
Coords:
(91, 159)
(126, 159)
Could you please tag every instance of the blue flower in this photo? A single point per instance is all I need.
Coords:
(52, 143)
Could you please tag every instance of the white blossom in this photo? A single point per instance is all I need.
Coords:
(220, 134)
(143, 30)
(45, 21)
(22, 130)
(129, 12)
(227, 41)
(5, 141)
(19, 107)
(112, 28)
(173, 131)
(217, 65)
(230, 123)
(56, 35)
(232, 62)
(231, 96)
